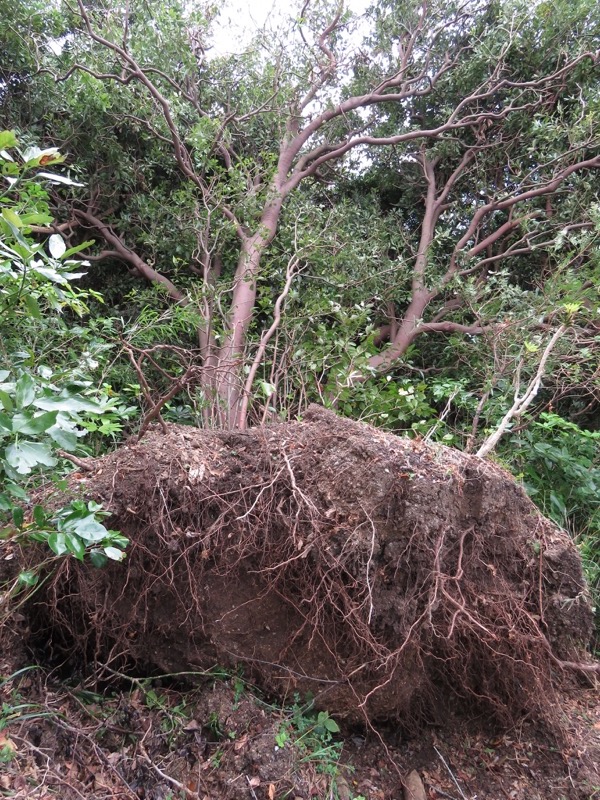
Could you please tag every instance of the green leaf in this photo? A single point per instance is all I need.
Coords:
(25, 456)
(57, 543)
(50, 273)
(16, 491)
(72, 403)
(25, 391)
(75, 545)
(34, 425)
(6, 401)
(36, 219)
(28, 577)
(7, 139)
(38, 536)
(88, 528)
(12, 218)
(57, 246)
(331, 725)
(5, 503)
(33, 306)
(5, 423)
(39, 515)
(98, 559)
(18, 517)
(118, 539)
(78, 248)
(114, 554)
(65, 439)
(4, 373)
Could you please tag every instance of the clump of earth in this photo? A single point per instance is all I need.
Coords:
(309, 610)
(381, 575)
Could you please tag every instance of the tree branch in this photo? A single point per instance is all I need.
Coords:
(521, 403)
(291, 272)
(449, 327)
(130, 257)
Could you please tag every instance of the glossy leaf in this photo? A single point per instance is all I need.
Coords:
(26, 456)
(24, 391)
(75, 545)
(114, 554)
(57, 246)
(30, 425)
(57, 543)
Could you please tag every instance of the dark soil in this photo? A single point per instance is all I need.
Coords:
(220, 742)
(383, 575)
(414, 591)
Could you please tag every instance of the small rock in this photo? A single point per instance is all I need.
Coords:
(413, 787)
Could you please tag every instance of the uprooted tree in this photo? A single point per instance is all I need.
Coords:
(484, 116)
(382, 575)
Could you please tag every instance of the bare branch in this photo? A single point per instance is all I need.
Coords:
(497, 205)
(130, 257)
(291, 272)
(180, 150)
(60, 227)
(449, 327)
(521, 402)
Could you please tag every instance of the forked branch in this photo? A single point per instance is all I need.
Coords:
(521, 402)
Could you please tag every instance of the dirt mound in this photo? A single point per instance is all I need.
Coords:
(378, 573)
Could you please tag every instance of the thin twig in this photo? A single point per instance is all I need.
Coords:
(173, 781)
(251, 788)
(445, 763)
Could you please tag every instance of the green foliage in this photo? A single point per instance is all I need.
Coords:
(44, 410)
(560, 466)
(75, 529)
(312, 734)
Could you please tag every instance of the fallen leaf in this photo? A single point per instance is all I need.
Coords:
(9, 747)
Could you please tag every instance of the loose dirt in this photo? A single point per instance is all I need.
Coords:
(412, 591)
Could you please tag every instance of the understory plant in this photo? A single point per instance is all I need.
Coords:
(48, 403)
(559, 463)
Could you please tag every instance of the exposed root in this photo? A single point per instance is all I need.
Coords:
(380, 574)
